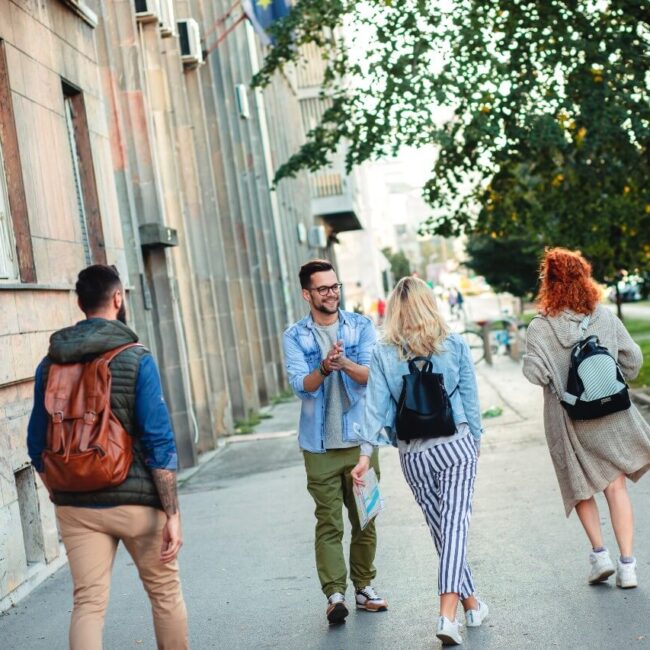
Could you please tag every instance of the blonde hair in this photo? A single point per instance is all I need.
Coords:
(413, 323)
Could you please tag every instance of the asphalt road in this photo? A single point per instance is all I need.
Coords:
(248, 568)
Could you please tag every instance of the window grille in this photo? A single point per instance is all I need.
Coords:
(69, 121)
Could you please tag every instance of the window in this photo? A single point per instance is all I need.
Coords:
(69, 123)
(16, 254)
(8, 265)
(83, 172)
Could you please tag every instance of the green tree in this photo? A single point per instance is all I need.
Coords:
(547, 130)
(399, 264)
(507, 264)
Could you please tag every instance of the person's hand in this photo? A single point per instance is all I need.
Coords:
(336, 357)
(172, 538)
(360, 470)
(332, 360)
(340, 363)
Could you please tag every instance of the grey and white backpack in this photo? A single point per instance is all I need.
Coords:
(595, 386)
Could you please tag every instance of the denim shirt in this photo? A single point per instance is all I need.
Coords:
(302, 356)
(385, 385)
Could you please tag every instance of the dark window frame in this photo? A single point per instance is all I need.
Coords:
(87, 177)
(14, 176)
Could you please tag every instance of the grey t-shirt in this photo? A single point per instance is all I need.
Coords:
(336, 399)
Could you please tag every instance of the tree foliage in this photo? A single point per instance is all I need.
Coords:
(546, 134)
(399, 264)
(507, 264)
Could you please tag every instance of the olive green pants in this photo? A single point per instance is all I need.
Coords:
(330, 484)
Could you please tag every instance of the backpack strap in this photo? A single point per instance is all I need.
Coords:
(111, 354)
(96, 397)
(584, 325)
(426, 365)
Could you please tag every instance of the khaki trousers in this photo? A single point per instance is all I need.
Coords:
(91, 536)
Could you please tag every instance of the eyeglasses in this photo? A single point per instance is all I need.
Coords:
(323, 291)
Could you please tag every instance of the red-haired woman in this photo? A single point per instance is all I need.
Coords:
(589, 456)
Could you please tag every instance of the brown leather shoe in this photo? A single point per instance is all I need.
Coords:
(337, 610)
(368, 599)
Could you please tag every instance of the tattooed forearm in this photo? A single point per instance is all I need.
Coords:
(165, 481)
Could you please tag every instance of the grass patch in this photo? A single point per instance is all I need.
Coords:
(285, 396)
(639, 330)
(248, 425)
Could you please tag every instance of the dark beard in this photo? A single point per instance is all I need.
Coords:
(327, 310)
(121, 314)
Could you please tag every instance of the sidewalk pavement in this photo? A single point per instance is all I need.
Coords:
(248, 568)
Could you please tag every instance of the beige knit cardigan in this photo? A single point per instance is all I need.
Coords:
(587, 455)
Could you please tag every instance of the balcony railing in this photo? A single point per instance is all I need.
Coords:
(326, 183)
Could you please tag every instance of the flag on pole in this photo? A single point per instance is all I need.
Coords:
(262, 13)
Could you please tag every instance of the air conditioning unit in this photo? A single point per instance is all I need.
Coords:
(317, 237)
(147, 11)
(167, 22)
(242, 101)
(190, 42)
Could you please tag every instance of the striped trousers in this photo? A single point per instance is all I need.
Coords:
(442, 481)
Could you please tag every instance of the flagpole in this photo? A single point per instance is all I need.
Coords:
(222, 19)
(223, 36)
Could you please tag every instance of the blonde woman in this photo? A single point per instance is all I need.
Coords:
(439, 470)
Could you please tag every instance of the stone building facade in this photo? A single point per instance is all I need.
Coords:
(118, 145)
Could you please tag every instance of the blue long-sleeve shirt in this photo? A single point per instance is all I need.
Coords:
(151, 417)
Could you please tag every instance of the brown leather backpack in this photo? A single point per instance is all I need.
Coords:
(87, 448)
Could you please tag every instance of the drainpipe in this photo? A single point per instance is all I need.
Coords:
(268, 164)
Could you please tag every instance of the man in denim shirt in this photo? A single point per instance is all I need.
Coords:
(327, 355)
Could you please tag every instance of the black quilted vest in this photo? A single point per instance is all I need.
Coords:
(82, 342)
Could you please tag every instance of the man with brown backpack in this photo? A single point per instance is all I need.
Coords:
(101, 439)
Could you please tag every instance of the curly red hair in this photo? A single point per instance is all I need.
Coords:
(566, 283)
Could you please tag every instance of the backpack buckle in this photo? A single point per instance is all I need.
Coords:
(90, 417)
(57, 417)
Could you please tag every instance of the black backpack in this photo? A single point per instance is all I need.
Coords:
(424, 409)
(595, 386)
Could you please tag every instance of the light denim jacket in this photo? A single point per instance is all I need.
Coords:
(385, 386)
(302, 355)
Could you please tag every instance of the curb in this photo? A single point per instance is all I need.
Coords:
(37, 574)
(252, 437)
(186, 474)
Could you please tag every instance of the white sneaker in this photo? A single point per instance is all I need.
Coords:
(368, 599)
(474, 617)
(448, 631)
(626, 575)
(601, 567)
(337, 610)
